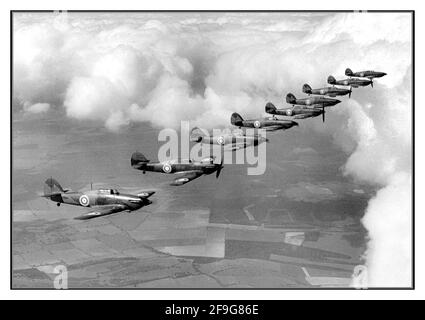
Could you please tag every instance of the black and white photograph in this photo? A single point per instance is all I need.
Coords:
(212, 149)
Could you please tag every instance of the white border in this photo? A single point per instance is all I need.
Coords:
(6, 293)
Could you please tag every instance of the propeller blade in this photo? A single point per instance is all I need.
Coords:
(323, 114)
(371, 83)
(349, 94)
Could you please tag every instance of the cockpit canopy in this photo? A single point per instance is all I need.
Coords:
(109, 191)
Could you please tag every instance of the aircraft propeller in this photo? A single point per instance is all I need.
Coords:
(217, 174)
(371, 83)
(323, 113)
(349, 94)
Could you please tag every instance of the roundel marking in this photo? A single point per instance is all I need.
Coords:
(84, 200)
(220, 140)
(166, 168)
(308, 102)
(257, 124)
(322, 91)
(288, 112)
(346, 82)
(362, 74)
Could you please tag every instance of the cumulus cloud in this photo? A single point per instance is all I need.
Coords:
(36, 108)
(194, 67)
(161, 68)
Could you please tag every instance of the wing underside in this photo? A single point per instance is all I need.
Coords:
(274, 128)
(186, 176)
(237, 146)
(100, 211)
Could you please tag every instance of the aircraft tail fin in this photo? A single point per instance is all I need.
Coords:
(138, 160)
(331, 80)
(290, 98)
(306, 88)
(307, 275)
(52, 187)
(348, 72)
(270, 108)
(236, 119)
(197, 134)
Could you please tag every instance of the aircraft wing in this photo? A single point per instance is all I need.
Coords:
(274, 128)
(236, 146)
(100, 211)
(186, 176)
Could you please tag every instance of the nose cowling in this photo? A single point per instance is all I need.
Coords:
(196, 139)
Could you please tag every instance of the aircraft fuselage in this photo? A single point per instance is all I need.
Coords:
(98, 198)
(230, 140)
(369, 74)
(298, 112)
(354, 82)
(268, 124)
(170, 167)
(330, 91)
(316, 101)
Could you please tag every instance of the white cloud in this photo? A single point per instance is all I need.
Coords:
(36, 108)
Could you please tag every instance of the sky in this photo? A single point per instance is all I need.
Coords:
(117, 69)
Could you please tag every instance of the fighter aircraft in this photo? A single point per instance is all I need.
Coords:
(230, 141)
(186, 171)
(327, 91)
(102, 201)
(315, 101)
(269, 124)
(297, 112)
(365, 74)
(353, 82)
